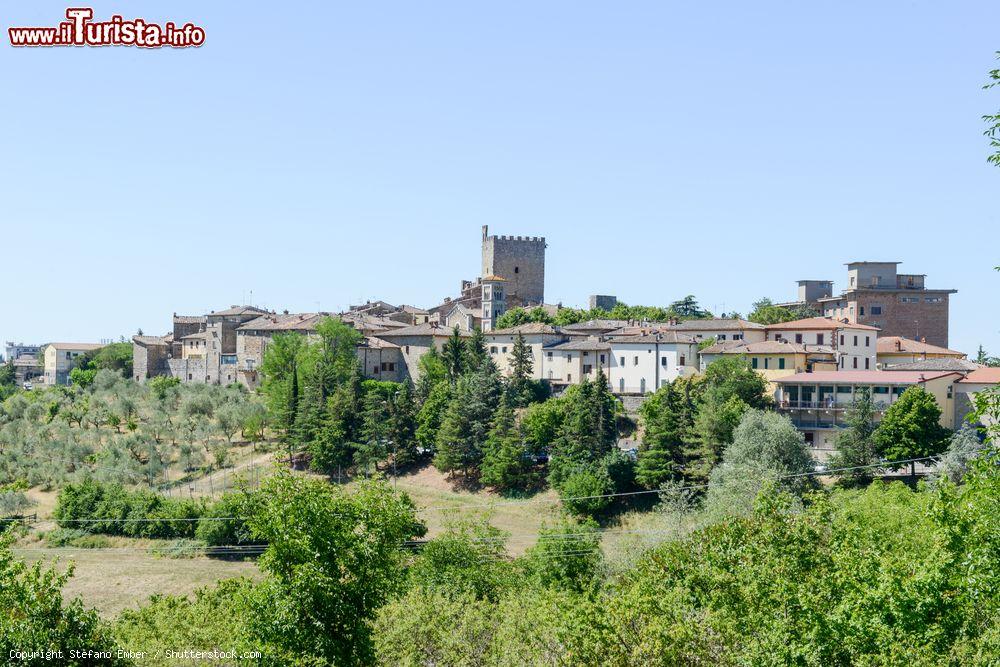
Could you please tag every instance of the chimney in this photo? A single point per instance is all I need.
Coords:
(923, 339)
(899, 345)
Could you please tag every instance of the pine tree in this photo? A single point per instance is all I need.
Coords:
(403, 426)
(505, 464)
(475, 350)
(520, 387)
(466, 422)
(375, 429)
(666, 426)
(453, 355)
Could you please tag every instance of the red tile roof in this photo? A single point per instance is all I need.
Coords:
(900, 345)
(864, 377)
(983, 376)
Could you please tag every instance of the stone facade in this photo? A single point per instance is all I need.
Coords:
(519, 260)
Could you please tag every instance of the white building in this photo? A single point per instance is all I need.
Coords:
(642, 364)
(855, 345)
(721, 330)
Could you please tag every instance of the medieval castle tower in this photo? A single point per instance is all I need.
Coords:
(520, 261)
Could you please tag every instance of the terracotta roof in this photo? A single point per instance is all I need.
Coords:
(989, 375)
(863, 377)
(716, 324)
(585, 344)
(658, 337)
(413, 309)
(494, 278)
(75, 346)
(524, 329)
(901, 345)
(188, 319)
(201, 335)
(425, 329)
(824, 323)
(935, 364)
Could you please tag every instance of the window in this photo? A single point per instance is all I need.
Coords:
(855, 362)
(586, 354)
(842, 340)
(949, 391)
(493, 349)
(843, 389)
(855, 341)
(682, 360)
(569, 377)
(868, 341)
(819, 339)
(587, 369)
(550, 355)
(867, 363)
(635, 361)
(190, 377)
(721, 337)
(880, 390)
(601, 357)
(781, 363)
(798, 338)
(407, 349)
(392, 365)
(861, 310)
(737, 336)
(910, 299)
(385, 366)
(933, 299)
(517, 269)
(876, 310)
(753, 362)
(504, 349)
(842, 362)
(766, 362)
(663, 361)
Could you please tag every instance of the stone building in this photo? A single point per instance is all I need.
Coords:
(899, 304)
(58, 359)
(519, 260)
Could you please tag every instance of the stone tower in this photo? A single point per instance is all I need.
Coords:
(494, 300)
(520, 261)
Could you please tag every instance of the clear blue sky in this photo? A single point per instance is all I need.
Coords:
(322, 153)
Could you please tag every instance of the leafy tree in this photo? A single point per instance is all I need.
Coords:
(993, 120)
(82, 378)
(733, 376)
(567, 555)
(333, 559)
(911, 428)
(432, 372)
(586, 489)
(431, 414)
(543, 422)
(855, 444)
(36, 618)
(986, 360)
(280, 379)
(767, 451)
(964, 447)
(466, 558)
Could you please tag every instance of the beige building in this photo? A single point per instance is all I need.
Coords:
(775, 359)
(854, 345)
(721, 329)
(413, 342)
(537, 336)
(979, 380)
(58, 359)
(895, 350)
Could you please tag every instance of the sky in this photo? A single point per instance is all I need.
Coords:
(319, 154)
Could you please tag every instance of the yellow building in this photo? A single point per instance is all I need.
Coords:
(817, 403)
(58, 359)
(775, 359)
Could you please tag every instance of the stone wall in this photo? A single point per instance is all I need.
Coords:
(149, 361)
